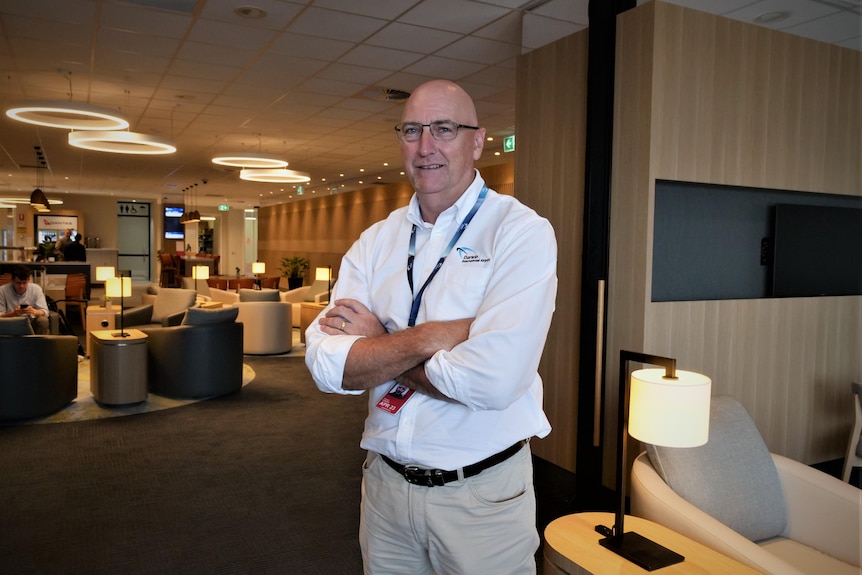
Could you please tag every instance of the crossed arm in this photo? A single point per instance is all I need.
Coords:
(381, 356)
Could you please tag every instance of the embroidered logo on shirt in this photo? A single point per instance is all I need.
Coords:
(469, 256)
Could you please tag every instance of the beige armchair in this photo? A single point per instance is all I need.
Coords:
(266, 321)
(770, 512)
(318, 292)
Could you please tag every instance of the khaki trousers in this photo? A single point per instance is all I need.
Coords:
(483, 524)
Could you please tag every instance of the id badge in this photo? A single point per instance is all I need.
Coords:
(395, 398)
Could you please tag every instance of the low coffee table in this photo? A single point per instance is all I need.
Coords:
(118, 366)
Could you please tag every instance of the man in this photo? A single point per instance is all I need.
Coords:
(440, 315)
(21, 297)
(75, 252)
(63, 242)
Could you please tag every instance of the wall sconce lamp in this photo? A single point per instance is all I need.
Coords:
(200, 273)
(258, 268)
(120, 287)
(663, 407)
(324, 274)
(103, 274)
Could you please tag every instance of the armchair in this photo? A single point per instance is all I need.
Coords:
(167, 309)
(266, 320)
(35, 388)
(318, 292)
(770, 512)
(200, 358)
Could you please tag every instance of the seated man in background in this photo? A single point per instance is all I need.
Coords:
(75, 251)
(22, 297)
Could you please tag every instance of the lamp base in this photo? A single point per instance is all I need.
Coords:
(641, 551)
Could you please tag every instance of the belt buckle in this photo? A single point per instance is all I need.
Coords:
(427, 477)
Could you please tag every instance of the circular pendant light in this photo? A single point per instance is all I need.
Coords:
(275, 176)
(120, 142)
(244, 160)
(67, 115)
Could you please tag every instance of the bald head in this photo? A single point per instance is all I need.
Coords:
(446, 98)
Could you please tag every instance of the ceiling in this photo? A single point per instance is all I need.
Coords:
(302, 79)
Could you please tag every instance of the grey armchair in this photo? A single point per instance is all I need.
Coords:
(201, 358)
(35, 388)
(770, 512)
(168, 308)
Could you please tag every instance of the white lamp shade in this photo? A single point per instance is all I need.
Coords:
(669, 412)
(200, 272)
(104, 272)
(118, 287)
(321, 274)
(258, 268)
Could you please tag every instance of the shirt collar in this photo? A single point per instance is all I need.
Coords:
(456, 212)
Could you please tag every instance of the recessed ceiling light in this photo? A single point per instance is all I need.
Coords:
(252, 12)
(772, 17)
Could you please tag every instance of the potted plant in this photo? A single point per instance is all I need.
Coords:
(294, 270)
(48, 250)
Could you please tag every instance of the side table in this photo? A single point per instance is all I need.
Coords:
(118, 367)
(572, 548)
(100, 317)
(307, 313)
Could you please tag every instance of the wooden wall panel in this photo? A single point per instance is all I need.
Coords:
(549, 177)
(732, 103)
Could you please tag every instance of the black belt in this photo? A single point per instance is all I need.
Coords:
(439, 477)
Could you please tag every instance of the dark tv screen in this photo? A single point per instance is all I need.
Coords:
(173, 226)
(817, 251)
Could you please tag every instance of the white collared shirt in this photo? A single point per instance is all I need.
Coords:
(502, 271)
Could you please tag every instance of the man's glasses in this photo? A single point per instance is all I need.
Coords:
(442, 130)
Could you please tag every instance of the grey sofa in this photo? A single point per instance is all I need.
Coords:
(40, 372)
(167, 309)
(201, 358)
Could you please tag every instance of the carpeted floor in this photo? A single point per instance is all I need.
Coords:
(263, 481)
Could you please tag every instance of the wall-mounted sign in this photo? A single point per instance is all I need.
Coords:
(49, 222)
(223, 207)
(133, 209)
(509, 143)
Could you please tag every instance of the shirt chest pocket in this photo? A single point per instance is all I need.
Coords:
(459, 290)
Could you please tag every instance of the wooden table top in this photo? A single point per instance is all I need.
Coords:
(572, 545)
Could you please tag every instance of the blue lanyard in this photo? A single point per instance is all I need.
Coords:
(411, 255)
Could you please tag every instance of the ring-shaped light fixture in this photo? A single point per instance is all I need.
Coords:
(244, 160)
(275, 176)
(120, 142)
(67, 115)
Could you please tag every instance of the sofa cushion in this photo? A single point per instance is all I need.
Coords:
(732, 477)
(258, 295)
(171, 301)
(316, 289)
(199, 316)
(15, 326)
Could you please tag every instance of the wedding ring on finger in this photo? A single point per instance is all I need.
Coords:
(343, 323)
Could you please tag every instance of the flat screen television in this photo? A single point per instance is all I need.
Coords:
(174, 229)
(817, 251)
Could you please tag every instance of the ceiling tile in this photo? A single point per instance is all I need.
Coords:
(462, 16)
(336, 25)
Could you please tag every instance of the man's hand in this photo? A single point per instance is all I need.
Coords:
(349, 316)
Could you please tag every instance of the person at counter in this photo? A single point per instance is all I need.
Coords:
(75, 252)
(63, 242)
(22, 297)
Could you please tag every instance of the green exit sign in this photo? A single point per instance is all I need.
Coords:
(223, 207)
(509, 143)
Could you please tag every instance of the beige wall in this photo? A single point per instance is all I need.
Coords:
(702, 98)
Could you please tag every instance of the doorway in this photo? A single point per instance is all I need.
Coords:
(133, 239)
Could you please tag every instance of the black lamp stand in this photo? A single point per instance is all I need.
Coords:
(636, 548)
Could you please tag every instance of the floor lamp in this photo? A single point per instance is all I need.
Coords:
(324, 274)
(200, 273)
(103, 274)
(258, 268)
(120, 287)
(663, 407)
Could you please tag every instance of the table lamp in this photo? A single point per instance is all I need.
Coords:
(324, 274)
(663, 407)
(103, 273)
(200, 273)
(120, 287)
(258, 268)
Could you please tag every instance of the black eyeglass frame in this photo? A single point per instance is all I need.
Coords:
(400, 132)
